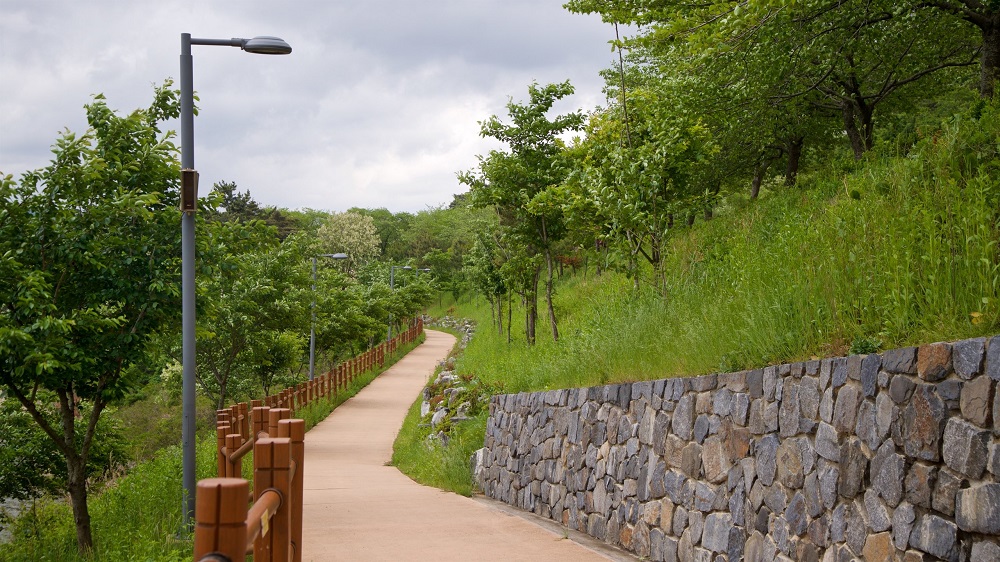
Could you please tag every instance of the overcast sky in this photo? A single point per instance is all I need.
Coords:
(378, 105)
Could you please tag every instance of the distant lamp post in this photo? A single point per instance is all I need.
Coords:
(392, 270)
(189, 197)
(312, 326)
(425, 270)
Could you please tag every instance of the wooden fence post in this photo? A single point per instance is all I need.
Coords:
(295, 430)
(220, 518)
(272, 464)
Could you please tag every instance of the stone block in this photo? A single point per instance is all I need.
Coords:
(878, 515)
(903, 360)
(977, 509)
(901, 388)
(921, 424)
(715, 460)
(788, 410)
(878, 547)
(846, 409)
(935, 536)
(967, 357)
(701, 428)
(886, 414)
(902, 523)
(715, 536)
(827, 442)
(766, 455)
(722, 402)
(796, 516)
(853, 467)
(992, 366)
(826, 406)
(683, 418)
(965, 448)
(838, 372)
(977, 396)
(789, 464)
(945, 488)
(866, 427)
(985, 550)
(888, 470)
(934, 361)
(691, 460)
(755, 383)
(869, 374)
(920, 483)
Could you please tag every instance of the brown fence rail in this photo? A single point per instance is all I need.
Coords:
(230, 521)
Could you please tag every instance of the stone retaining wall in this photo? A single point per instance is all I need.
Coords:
(885, 456)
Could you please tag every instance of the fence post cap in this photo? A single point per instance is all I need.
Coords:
(220, 500)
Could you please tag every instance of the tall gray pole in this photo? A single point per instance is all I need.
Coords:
(388, 337)
(312, 326)
(187, 287)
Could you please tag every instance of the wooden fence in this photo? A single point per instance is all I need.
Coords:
(227, 527)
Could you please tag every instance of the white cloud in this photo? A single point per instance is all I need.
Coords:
(376, 107)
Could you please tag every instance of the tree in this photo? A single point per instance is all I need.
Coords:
(88, 273)
(518, 183)
(352, 234)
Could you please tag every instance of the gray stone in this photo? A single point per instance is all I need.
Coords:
(921, 424)
(810, 492)
(795, 515)
(866, 428)
(900, 388)
(701, 427)
(691, 460)
(809, 397)
(838, 372)
(888, 470)
(766, 455)
(825, 372)
(878, 516)
(715, 536)
(920, 481)
(846, 409)
(965, 447)
(770, 382)
(886, 414)
(722, 402)
(737, 540)
(788, 411)
(789, 464)
(902, 360)
(715, 461)
(977, 509)
(683, 418)
(985, 551)
(856, 532)
(755, 383)
(829, 475)
(827, 442)
(763, 416)
(950, 391)
(994, 464)
(935, 536)
(680, 521)
(853, 465)
(703, 499)
(967, 357)
(975, 400)
(945, 488)
(993, 358)
(826, 406)
(869, 374)
(902, 523)
(657, 548)
(838, 524)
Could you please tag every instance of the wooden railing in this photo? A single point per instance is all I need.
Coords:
(227, 528)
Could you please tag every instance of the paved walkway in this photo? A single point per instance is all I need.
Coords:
(357, 508)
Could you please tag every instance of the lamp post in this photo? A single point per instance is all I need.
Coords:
(189, 196)
(392, 270)
(312, 326)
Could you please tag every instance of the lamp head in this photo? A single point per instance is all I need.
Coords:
(266, 45)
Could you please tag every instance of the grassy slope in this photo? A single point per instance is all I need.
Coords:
(899, 251)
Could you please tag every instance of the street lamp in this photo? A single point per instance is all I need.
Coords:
(392, 270)
(189, 195)
(312, 326)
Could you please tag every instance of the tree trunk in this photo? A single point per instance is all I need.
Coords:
(989, 62)
(794, 149)
(77, 473)
(510, 314)
(531, 306)
(548, 296)
(758, 177)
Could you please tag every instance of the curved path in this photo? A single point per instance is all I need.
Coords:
(357, 508)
